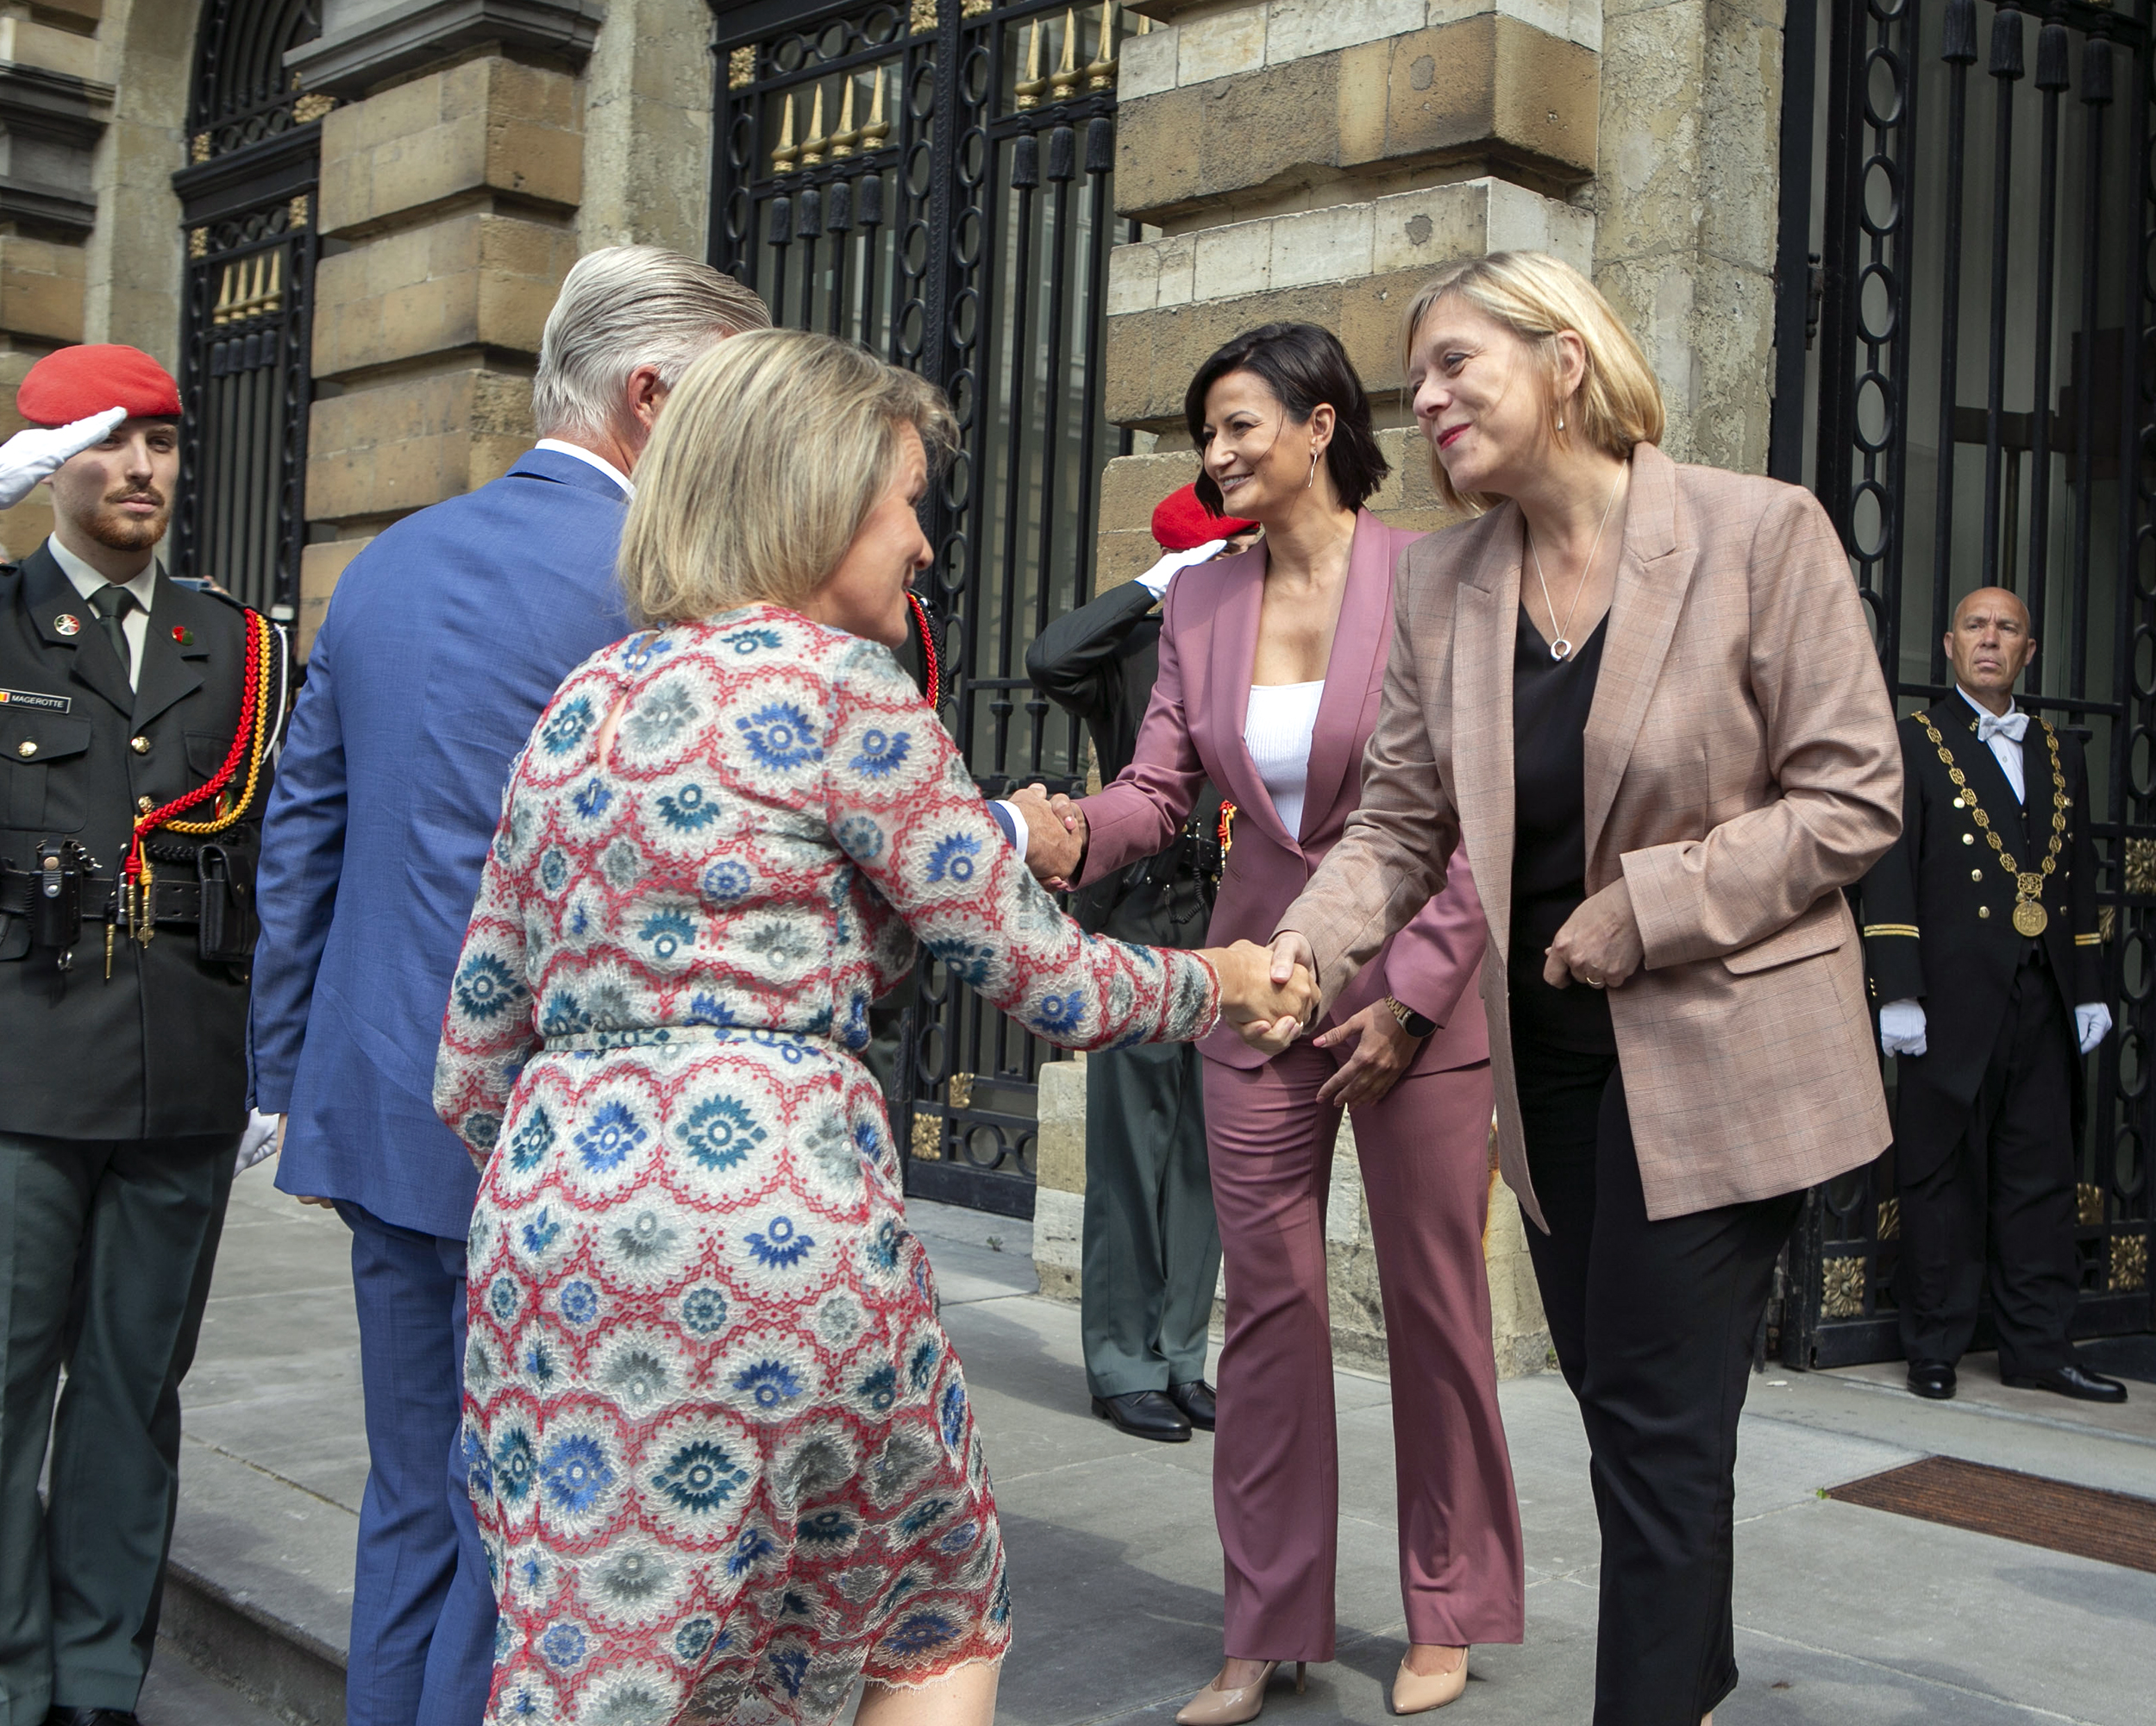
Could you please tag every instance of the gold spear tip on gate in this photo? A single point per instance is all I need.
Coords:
(1031, 86)
(813, 145)
(1100, 72)
(878, 127)
(782, 157)
(1065, 81)
(844, 138)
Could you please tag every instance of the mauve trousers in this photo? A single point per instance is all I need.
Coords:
(1423, 1149)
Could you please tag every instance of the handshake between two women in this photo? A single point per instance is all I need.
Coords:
(1269, 1005)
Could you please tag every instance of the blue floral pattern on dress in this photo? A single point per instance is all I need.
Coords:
(666, 932)
(566, 726)
(699, 1478)
(953, 859)
(485, 987)
(688, 809)
(779, 1244)
(780, 736)
(723, 883)
(771, 1383)
(611, 1135)
(719, 1132)
(574, 1473)
(882, 753)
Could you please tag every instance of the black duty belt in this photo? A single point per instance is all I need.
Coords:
(173, 904)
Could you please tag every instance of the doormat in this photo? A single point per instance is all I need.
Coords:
(2123, 1357)
(2113, 1528)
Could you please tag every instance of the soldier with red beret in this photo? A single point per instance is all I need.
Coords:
(137, 721)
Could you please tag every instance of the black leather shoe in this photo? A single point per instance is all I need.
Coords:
(1146, 1414)
(1932, 1379)
(90, 1716)
(1195, 1400)
(2073, 1379)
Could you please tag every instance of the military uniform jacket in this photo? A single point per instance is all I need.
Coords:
(1099, 663)
(159, 1050)
(1939, 907)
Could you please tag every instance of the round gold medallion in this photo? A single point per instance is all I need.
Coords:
(2029, 918)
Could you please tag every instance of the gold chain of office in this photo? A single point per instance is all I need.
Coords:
(2029, 915)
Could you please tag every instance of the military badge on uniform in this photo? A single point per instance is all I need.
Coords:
(67, 624)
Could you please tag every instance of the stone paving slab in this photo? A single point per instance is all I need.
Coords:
(1845, 1614)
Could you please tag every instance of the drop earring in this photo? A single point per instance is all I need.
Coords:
(1312, 480)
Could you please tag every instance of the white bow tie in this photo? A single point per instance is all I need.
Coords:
(1991, 725)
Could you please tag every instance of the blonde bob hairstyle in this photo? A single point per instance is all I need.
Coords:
(766, 461)
(1538, 297)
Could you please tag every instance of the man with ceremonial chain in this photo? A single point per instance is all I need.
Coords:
(138, 718)
(1980, 936)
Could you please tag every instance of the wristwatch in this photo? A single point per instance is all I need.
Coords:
(1410, 1020)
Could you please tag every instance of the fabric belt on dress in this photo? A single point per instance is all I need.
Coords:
(673, 1036)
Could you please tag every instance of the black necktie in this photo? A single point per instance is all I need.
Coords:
(111, 603)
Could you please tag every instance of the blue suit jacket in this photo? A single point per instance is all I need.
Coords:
(446, 639)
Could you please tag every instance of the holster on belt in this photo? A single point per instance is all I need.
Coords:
(228, 923)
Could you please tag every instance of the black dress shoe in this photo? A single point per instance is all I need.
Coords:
(1932, 1379)
(2073, 1379)
(1146, 1414)
(1195, 1400)
(90, 1716)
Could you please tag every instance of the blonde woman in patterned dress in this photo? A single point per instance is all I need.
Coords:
(721, 1449)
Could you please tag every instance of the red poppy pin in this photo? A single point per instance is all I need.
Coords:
(183, 635)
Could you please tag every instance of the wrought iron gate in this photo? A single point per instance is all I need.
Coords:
(935, 181)
(1965, 376)
(247, 200)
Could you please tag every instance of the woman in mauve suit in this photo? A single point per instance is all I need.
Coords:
(1645, 699)
(1271, 663)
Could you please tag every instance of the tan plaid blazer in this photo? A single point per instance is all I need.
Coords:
(1742, 768)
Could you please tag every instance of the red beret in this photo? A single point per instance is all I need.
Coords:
(92, 376)
(1180, 523)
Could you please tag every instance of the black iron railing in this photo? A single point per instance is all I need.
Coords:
(247, 203)
(1972, 403)
(936, 181)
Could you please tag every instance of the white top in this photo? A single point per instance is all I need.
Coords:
(86, 580)
(2004, 750)
(561, 447)
(1278, 727)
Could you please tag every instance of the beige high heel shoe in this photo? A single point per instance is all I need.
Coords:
(1416, 1692)
(1211, 1707)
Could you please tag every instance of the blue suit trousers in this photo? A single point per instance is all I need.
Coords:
(422, 1604)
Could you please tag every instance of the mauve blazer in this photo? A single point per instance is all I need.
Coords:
(1742, 768)
(1194, 732)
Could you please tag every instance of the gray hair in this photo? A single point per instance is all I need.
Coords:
(623, 307)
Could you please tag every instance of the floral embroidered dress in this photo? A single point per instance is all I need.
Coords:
(720, 1448)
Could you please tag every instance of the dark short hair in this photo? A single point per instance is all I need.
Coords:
(1302, 365)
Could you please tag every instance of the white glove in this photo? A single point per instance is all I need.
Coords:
(259, 1141)
(2092, 1024)
(36, 452)
(1901, 1027)
(1155, 580)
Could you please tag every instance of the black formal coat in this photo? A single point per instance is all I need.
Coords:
(1099, 663)
(159, 1050)
(1939, 907)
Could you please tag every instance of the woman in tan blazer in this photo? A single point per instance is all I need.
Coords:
(1647, 696)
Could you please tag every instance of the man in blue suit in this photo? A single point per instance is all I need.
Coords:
(447, 638)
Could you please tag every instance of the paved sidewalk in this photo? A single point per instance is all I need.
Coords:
(1847, 1616)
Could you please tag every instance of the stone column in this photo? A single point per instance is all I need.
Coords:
(56, 101)
(451, 175)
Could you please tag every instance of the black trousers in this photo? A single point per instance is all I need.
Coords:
(1653, 1324)
(1990, 1194)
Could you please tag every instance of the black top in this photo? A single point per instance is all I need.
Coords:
(1550, 702)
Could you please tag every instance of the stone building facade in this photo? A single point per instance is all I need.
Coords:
(1310, 159)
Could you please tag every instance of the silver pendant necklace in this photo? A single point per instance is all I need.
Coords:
(1562, 647)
